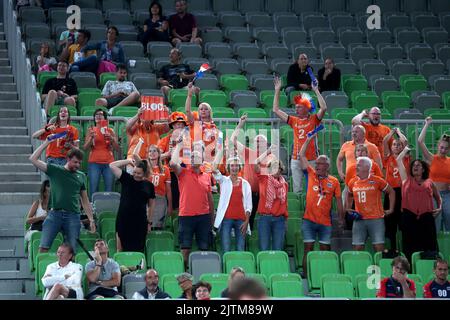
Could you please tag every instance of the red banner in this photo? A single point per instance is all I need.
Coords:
(154, 108)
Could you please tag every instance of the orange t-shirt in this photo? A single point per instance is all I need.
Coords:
(367, 196)
(392, 174)
(248, 172)
(440, 169)
(150, 137)
(194, 189)
(101, 151)
(301, 128)
(278, 208)
(351, 172)
(319, 197)
(206, 132)
(376, 134)
(235, 209)
(160, 179)
(56, 148)
(348, 150)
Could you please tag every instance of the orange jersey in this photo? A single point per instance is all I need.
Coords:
(319, 197)
(248, 170)
(351, 172)
(149, 136)
(376, 134)
(57, 148)
(301, 128)
(159, 180)
(101, 151)
(208, 133)
(392, 174)
(367, 196)
(440, 169)
(348, 151)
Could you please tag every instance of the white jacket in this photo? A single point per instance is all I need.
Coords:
(56, 274)
(226, 188)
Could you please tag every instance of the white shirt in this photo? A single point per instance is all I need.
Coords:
(226, 188)
(56, 274)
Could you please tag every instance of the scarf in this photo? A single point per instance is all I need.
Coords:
(275, 190)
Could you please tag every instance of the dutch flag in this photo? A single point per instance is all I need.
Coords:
(204, 67)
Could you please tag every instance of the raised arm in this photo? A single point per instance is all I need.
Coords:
(34, 158)
(428, 157)
(401, 136)
(234, 137)
(303, 161)
(401, 167)
(116, 165)
(175, 160)
(386, 150)
(322, 103)
(187, 105)
(132, 121)
(263, 156)
(358, 118)
(276, 101)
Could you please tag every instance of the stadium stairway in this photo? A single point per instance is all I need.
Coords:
(19, 185)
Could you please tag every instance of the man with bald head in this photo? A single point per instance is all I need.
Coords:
(375, 131)
(151, 290)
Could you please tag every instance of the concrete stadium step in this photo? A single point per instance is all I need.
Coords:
(2, 35)
(12, 246)
(17, 296)
(20, 131)
(16, 210)
(11, 113)
(14, 139)
(4, 122)
(3, 53)
(10, 233)
(10, 198)
(19, 176)
(19, 167)
(17, 287)
(20, 186)
(10, 86)
(3, 44)
(6, 95)
(7, 69)
(6, 78)
(14, 158)
(10, 104)
(4, 62)
(15, 148)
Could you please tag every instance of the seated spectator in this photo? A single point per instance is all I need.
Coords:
(183, 25)
(67, 37)
(297, 77)
(175, 75)
(118, 92)
(247, 289)
(101, 142)
(44, 61)
(439, 287)
(329, 77)
(61, 90)
(236, 274)
(58, 149)
(103, 274)
(398, 285)
(156, 28)
(109, 53)
(202, 290)
(185, 282)
(38, 211)
(62, 279)
(151, 291)
(79, 60)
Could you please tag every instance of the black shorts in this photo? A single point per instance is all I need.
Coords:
(102, 291)
(112, 102)
(72, 294)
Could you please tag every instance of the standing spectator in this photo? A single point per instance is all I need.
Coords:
(102, 273)
(58, 149)
(366, 191)
(322, 187)
(183, 25)
(392, 222)
(146, 130)
(235, 205)
(361, 151)
(196, 203)
(272, 207)
(418, 191)
(302, 124)
(156, 28)
(100, 141)
(109, 53)
(61, 90)
(298, 77)
(439, 287)
(160, 178)
(202, 290)
(439, 172)
(398, 285)
(68, 188)
(79, 60)
(175, 75)
(62, 279)
(151, 290)
(185, 282)
(118, 92)
(134, 218)
(44, 61)
(375, 131)
(329, 77)
(236, 274)
(38, 211)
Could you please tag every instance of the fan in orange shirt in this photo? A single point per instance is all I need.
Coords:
(361, 151)
(366, 191)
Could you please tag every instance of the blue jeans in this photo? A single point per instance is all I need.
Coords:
(95, 170)
(443, 219)
(225, 234)
(65, 221)
(89, 64)
(57, 161)
(271, 230)
(311, 230)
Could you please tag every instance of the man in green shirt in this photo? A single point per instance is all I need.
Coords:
(68, 185)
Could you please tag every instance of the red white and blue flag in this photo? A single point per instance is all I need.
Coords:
(203, 68)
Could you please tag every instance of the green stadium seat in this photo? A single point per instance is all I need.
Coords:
(130, 259)
(88, 98)
(215, 98)
(398, 99)
(223, 112)
(218, 282)
(252, 113)
(354, 263)
(53, 112)
(270, 262)
(34, 248)
(411, 83)
(419, 282)
(252, 241)
(260, 277)
(351, 83)
(105, 77)
(43, 77)
(336, 286)
(446, 100)
(169, 284)
(43, 260)
(294, 208)
(177, 98)
(125, 111)
(422, 267)
(243, 259)
(112, 246)
(107, 225)
(293, 225)
(444, 243)
(438, 114)
(286, 285)
(320, 263)
(266, 99)
(362, 290)
(167, 262)
(346, 117)
(363, 99)
(106, 215)
(158, 241)
(82, 258)
(231, 82)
